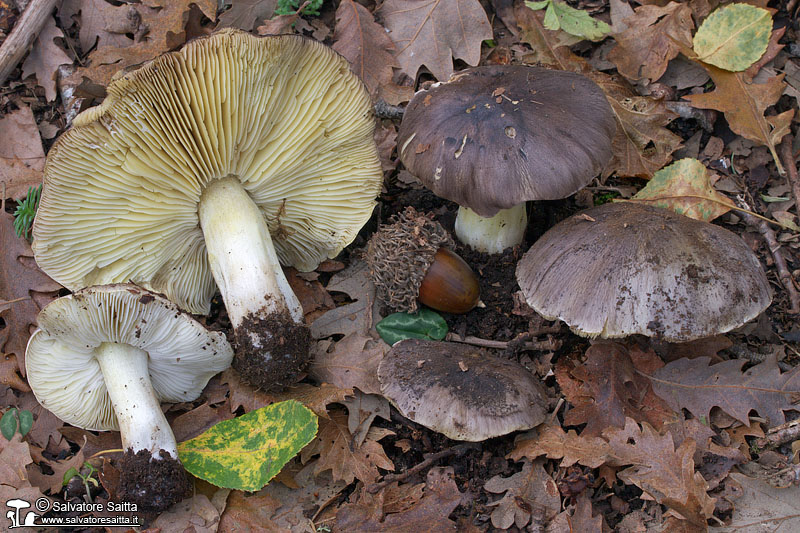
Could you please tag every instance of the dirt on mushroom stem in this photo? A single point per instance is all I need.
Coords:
(152, 484)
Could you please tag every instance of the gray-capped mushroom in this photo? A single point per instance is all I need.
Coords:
(493, 137)
(104, 358)
(217, 163)
(460, 391)
(624, 268)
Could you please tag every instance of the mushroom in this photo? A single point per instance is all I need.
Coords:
(460, 391)
(103, 359)
(625, 268)
(493, 137)
(218, 162)
(410, 260)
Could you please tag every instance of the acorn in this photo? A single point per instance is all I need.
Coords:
(410, 261)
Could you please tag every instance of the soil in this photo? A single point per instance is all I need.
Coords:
(152, 484)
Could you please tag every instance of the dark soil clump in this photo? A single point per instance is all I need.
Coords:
(272, 351)
(152, 484)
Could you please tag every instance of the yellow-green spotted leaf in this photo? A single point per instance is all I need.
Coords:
(733, 37)
(245, 453)
(685, 187)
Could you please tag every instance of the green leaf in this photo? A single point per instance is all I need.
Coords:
(69, 474)
(774, 199)
(26, 211)
(685, 187)
(245, 453)
(576, 22)
(25, 421)
(424, 324)
(8, 424)
(733, 37)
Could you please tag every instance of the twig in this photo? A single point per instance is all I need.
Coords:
(788, 432)
(780, 261)
(546, 345)
(23, 35)
(785, 151)
(429, 459)
(385, 110)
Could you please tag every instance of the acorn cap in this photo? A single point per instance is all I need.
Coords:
(460, 391)
(495, 136)
(66, 377)
(283, 114)
(399, 255)
(625, 268)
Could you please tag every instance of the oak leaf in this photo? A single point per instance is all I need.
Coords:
(245, 14)
(549, 47)
(570, 447)
(102, 23)
(338, 454)
(762, 508)
(650, 40)
(55, 481)
(21, 153)
(24, 290)
(365, 45)
(432, 32)
(353, 317)
(45, 57)
(694, 385)
(531, 490)
(440, 498)
(642, 144)
(744, 104)
(665, 473)
(352, 362)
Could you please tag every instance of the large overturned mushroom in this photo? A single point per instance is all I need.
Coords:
(624, 268)
(460, 391)
(216, 163)
(493, 137)
(105, 357)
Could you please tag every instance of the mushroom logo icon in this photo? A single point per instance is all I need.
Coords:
(13, 516)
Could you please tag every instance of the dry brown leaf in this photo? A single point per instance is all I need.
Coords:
(582, 518)
(352, 362)
(245, 14)
(440, 498)
(9, 373)
(338, 454)
(21, 153)
(773, 47)
(432, 32)
(45, 58)
(55, 481)
(664, 473)
(744, 105)
(398, 498)
(197, 514)
(640, 122)
(362, 409)
(570, 447)
(365, 44)
(763, 509)
(354, 317)
(648, 43)
(24, 290)
(101, 23)
(15, 456)
(548, 47)
(191, 424)
(694, 385)
(386, 138)
(606, 389)
(529, 491)
(314, 299)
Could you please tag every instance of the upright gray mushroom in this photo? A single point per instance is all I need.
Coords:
(493, 137)
(105, 357)
(624, 268)
(216, 163)
(460, 391)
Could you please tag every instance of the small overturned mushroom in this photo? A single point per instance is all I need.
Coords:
(207, 168)
(624, 268)
(410, 260)
(460, 391)
(105, 357)
(493, 137)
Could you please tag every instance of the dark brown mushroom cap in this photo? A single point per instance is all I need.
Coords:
(624, 268)
(460, 391)
(495, 136)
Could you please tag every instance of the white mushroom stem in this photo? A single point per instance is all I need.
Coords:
(241, 254)
(494, 234)
(141, 422)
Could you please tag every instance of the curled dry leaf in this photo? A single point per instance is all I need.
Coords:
(351, 362)
(21, 154)
(570, 447)
(530, 493)
(433, 33)
(45, 57)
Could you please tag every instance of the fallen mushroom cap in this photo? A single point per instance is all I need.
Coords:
(460, 391)
(228, 157)
(105, 357)
(626, 268)
(493, 137)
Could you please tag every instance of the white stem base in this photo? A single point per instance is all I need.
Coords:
(495, 234)
(243, 260)
(141, 421)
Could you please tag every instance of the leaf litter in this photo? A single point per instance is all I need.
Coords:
(646, 435)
